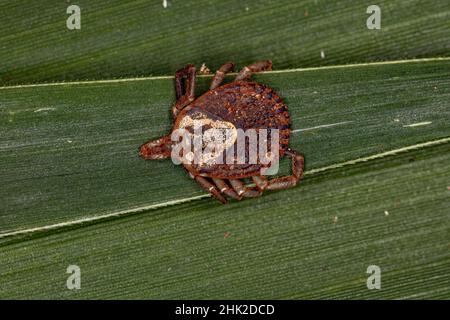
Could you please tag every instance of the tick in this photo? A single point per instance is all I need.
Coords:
(242, 104)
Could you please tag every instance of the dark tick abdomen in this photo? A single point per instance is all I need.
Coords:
(248, 105)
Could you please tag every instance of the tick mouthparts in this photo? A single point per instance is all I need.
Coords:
(156, 149)
(143, 150)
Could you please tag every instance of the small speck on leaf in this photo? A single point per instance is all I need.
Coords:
(386, 213)
(227, 234)
(44, 109)
(335, 219)
(204, 69)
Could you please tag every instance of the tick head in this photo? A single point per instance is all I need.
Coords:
(156, 149)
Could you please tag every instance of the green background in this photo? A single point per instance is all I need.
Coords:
(375, 136)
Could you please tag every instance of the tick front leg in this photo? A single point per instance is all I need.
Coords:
(284, 182)
(259, 66)
(208, 186)
(244, 191)
(188, 95)
(220, 74)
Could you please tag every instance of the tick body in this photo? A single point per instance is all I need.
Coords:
(238, 106)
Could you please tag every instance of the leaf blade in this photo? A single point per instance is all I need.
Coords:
(80, 160)
(299, 250)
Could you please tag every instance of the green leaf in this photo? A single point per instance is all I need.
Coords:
(376, 142)
(392, 212)
(69, 152)
(141, 37)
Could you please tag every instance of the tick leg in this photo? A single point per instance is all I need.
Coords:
(261, 182)
(224, 188)
(220, 74)
(186, 97)
(208, 186)
(292, 180)
(259, 66)
(244, 191)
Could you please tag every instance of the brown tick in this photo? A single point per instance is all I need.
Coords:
(241, 104)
